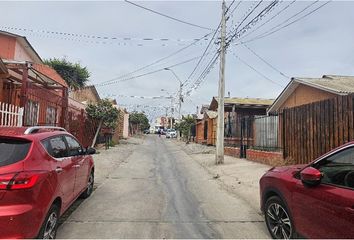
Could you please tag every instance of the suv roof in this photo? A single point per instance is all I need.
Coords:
(31, 132)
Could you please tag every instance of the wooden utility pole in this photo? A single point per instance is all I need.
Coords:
(219, 156)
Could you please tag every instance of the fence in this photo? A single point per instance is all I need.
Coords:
(10, 115)
(313, 129)
(266, 133)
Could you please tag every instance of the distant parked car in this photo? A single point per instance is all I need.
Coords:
(171, 133)
(146, 131)
(43, 170)
(311, 201)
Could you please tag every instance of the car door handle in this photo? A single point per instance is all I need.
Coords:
(58, 169)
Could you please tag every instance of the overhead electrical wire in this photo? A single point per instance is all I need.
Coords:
(265, 61)
(270, 19)
(167, 16)
(261, 74)
(269, 32)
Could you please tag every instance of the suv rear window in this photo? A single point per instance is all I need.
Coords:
(12, 151)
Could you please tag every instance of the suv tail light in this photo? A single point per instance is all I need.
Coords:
(19, 180)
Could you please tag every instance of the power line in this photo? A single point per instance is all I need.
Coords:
(263, 60)
(160, 59)
(114, 81)
(261, 74)
(167, 16)
(269, 32)
(274, 16)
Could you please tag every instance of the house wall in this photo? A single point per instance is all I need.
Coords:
(84, 94)
(21, 53)
(8, 45)
(200, 132)
(303, 95)
(126, 126)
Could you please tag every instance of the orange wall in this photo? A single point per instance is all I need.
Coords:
(7, 47)
(304, 94)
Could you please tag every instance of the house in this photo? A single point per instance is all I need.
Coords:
(302, 91)
(239, 114)
(25, 81)
(206, 126)
(86, 95)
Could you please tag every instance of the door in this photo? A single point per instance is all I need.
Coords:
(62, 167)
(80, 163)
(327, 210)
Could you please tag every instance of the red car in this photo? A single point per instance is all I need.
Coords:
(311, 201)
(43, 170)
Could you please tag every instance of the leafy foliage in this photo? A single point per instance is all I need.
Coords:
(74, 74)
(140, 119)
(185, 125)
(105, 112)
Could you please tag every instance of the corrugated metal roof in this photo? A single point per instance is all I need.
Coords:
(248, 101)
(49, 72)
(332, 83)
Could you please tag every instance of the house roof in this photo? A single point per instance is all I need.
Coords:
(242, 102)
(339, 85)
(50, 73)
(26, 44)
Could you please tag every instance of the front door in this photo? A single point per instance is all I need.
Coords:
(327, 210)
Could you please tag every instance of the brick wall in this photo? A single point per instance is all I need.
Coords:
(269, 158)
(232, 151)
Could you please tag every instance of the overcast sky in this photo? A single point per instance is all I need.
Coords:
(321, 43)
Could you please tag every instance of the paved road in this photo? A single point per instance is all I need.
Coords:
(160, 192)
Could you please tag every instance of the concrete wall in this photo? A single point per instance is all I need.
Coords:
(304, 94)
(85, 94)
(126, 126)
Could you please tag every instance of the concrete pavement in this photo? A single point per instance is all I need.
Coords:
(158, 191)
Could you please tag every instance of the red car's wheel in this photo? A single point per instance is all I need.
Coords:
(50, 225)
(89, 189)
(278, 220)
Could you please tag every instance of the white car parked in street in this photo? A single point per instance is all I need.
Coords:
(171, 133)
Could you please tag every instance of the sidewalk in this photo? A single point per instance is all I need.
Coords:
(237, 176)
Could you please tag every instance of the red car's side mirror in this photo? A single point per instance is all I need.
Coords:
(311, 176)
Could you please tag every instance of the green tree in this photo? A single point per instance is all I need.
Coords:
(105, 112)
(184, 126)
(140, 120)
(74, 74)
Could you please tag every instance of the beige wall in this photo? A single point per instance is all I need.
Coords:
(126, 126)
(21, 53)
(304, 94)
(84, 94)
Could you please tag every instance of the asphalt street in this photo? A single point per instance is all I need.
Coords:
(158, 191)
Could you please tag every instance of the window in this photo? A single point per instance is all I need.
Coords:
(55, 147)
(338, 169)
(73, 146)
(31, 113)
(51, 116)
(12, 151)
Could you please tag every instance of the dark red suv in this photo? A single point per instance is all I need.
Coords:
(311, 201)
(43, 170)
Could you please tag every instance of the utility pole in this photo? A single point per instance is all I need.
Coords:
(219, 156)
(180, 100)
(171, 113)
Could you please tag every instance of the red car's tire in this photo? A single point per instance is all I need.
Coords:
(50, 225)
(278, 219)
(89, 189)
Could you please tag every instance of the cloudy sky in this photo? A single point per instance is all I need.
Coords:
(321, 43)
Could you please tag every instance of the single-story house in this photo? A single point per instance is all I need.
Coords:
(302, 91)
(27, 82)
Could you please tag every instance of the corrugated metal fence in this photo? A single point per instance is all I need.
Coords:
(266, 133)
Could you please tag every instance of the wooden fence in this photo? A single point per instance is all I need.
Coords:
(10, 115)
(314, 129)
